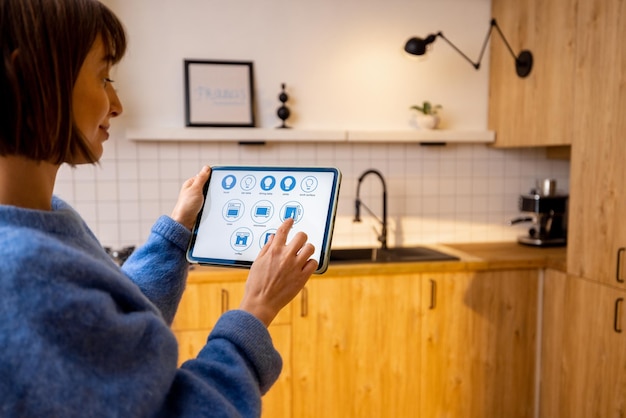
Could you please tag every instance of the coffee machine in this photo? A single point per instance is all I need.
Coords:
(546, 209)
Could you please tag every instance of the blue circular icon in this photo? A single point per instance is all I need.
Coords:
(233, 210)
(292, 210)
(229, 182)
(241, 239)
(309, 184)
(268, 183)
(248, 182)
(288, 183)
(266, 237)
(262, 212)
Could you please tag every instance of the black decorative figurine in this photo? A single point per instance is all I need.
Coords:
(283, 111)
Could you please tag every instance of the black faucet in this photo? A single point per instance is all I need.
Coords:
(358, 203)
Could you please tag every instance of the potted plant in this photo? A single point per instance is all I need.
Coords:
(427, 117)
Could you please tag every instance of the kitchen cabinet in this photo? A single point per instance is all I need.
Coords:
(575, 94)
(597, 204)
(201, 306)
(479, 344)
(537, 110)
(356, 347)
(583, 340)
(584, 349)
(447, 344)
(430, 339)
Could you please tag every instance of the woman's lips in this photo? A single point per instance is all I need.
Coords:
(105, 129)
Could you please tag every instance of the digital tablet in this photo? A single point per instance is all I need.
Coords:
(244, 206)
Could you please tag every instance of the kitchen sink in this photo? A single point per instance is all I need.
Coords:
(389, 255)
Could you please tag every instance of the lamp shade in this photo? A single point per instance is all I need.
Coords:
(417, 46)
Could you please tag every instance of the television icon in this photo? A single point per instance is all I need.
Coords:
(262, 211)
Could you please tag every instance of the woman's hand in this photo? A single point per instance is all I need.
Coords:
(190, 199)
(277, 275)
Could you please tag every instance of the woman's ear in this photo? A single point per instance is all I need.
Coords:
(14, 55)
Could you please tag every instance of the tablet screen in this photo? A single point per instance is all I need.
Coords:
(244, 206)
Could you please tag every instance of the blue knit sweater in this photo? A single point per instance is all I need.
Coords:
(80, 337)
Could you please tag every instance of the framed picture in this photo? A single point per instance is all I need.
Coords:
(219, 93)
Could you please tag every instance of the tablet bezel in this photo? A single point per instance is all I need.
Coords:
(328, 222)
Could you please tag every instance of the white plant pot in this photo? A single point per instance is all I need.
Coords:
(427, 121)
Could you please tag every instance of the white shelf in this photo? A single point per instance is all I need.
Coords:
(235, 134)
(304, 135)
(423, 136)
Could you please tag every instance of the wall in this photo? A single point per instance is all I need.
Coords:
(341, 60)
(344, 70)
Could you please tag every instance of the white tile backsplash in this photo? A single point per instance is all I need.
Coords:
(456, 193)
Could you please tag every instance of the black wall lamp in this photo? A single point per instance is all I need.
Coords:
(523, 61)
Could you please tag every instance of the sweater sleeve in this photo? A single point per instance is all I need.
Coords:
(159, 267)
(236, 367)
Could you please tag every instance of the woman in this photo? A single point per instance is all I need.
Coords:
(79, 335)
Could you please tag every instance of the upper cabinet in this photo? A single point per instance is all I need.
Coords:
(597, 231)
(575, 94)
(536, 110)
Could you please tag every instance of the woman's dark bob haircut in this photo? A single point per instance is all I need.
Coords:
(43, 45)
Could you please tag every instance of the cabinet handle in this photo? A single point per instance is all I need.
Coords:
(620, 255)
(433, 295)
(225, 300)
(616, 320)
(304, 302)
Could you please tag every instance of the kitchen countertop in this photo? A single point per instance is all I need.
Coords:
(472, 257)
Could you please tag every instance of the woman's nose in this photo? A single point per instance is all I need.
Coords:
(115, 104)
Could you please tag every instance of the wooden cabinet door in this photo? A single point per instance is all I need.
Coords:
(479, 344)
(598, 182)
(202, 305)
(277, 401)
(199, 309)
(584, 349)
(536, 110)
(356, 348)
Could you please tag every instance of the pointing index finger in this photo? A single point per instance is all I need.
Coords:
(283, 231)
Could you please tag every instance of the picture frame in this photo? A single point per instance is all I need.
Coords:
(219, 93)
